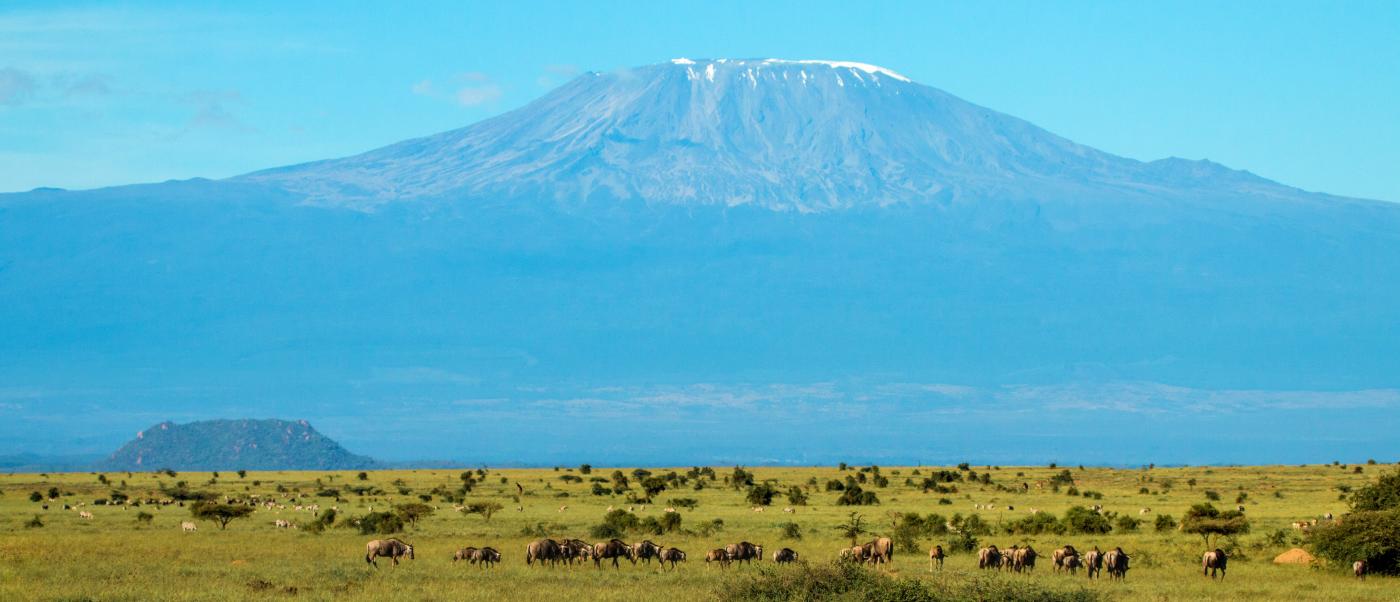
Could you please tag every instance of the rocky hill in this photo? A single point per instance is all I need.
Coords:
(233, 445)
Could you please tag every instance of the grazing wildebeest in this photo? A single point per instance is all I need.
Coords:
(784, 556)
(468, 554)
(574, 549)
(988, 558)
(612, 549)
(487, 556)
(1212, 561)
(1093, 562)
(1359, 568)
(935, 557)
(1024, 560)
(393, 548)
(1117, 563)
(719, 555)
(1008, 558)
(1066, 558)
(542, 550)
(744, 552)
(671, 555)
(188, 527)
(644, 550)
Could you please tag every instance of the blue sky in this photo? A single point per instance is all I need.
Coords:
(95, 94)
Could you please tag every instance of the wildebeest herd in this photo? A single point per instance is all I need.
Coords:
(878, 551)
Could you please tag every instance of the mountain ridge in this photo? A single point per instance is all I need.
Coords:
(783, 135)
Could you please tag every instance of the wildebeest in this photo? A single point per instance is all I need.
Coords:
(1117, 563)
(881, 550)
(1008, 558)
(468, 554)
(1212, 561)
(671, 555)
(188, 527)
(542, 550)
(719, 555)
(611, 549)
(645, 550)
(935, 557)
(1066, 558)
(393, 548)
(1359, 569)
(575, 549)
(744, 552)
(989, 558)
(855, 553)
(1024, 560)
(784, 556)
(1093, 562)
(487, 556)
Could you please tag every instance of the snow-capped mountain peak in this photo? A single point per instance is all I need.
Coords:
(804, 135)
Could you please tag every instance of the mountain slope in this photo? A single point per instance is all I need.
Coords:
(525, 287)
(788, 135)
(234, 445)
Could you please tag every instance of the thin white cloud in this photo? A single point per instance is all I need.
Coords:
(16, 86)
(468, 89)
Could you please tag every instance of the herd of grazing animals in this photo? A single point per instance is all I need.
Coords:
(877, 551)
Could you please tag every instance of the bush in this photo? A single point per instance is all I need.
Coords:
(761, 495)
(379, 523)
(1126, 524)
(1083, 521)
(850, 581)
(1212, 495)
(1164, 523)
(791, 530)
(144, 518)
(34, 523)
(1035, 524)
(1370, 535)
(1384, 494)
(855, 496)
(615, 524)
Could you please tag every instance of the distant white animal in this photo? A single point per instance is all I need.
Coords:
(188, 527)
(85, 515)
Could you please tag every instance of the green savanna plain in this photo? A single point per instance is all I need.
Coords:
(113, 556)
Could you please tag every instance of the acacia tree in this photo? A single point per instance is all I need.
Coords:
(854, 527)
(1208, 521)
(223, 514)
(485, 509)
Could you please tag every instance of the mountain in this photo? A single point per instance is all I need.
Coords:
(800, 255)
(234, 445)
(782, 135)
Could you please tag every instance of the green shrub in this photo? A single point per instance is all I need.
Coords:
(1035, 524)
(379, 523)
(791, 530)
(850, 581)
(1083, 521)
(1373, 536)
(1164, 523)
(1384, 494)
(855, 496)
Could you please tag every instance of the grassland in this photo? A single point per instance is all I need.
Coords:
(114, 557)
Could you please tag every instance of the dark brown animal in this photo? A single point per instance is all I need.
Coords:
(1212, 561)
(935, 557)
(392, 548)
(611, 549)
(487, 556)
(671, 555)
(1093, 562)
(1359, 568)
(1024, 560)
(719, 555)
(988, 558)
(1066, 558)
(644, 550)
(541, 551)
(465, 554)
(784, 556)
(1117, 563)
(744, 552)
(575, 549)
